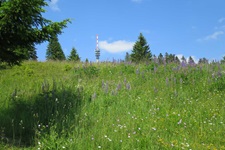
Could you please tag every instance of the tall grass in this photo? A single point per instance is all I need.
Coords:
(61, 105)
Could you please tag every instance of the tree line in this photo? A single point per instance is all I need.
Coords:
(23, 26)
(55, 52)
(141, 52)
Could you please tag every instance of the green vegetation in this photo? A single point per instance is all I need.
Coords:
(22, 26)
(67, 105)
(54, 50)
(73, 55)
(141, 50)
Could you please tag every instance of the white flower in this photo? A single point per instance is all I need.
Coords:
(153, 128)
(99, 146)
(179, 121)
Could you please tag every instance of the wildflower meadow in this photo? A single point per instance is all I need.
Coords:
(112, 105)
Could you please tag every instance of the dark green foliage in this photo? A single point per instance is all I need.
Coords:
(86, 60)
(203, 61)
(223, 60)
(22, 26)
(191, 60)
(73, 55)
(160, 58)
(183, 59)
(141, 50)
(32, 54)
(171, 58)
(54, 50)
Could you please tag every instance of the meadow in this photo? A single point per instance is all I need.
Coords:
(66, 105)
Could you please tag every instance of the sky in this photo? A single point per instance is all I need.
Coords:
(182, 27)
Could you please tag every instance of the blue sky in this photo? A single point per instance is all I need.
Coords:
(183, 27)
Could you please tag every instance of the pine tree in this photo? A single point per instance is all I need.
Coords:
(141, 50)
(73, 55)
(191, 61)
(166, 57)
(86, 60)
(54, 50)
(160, 58)
(177, 60)
(183, 59)
(21, 26)
(203, 61)
(32, 54)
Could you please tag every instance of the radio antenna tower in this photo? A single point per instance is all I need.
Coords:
(97, 50)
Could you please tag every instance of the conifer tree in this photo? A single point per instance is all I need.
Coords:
(54, 50)
(32, 54)
(191, 61)
(183, 59)
(141, 50)
(22, 26)
(203, 61)
(160, 58)
(166, 57)
(73, 55)
(177, 60)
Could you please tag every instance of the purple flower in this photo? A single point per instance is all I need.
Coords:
(118, 87)
(183, 64)
(167, 81)
(125, 81)
(128, 86)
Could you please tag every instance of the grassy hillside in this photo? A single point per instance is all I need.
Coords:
(61, 105)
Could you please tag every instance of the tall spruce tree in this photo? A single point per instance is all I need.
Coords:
(22, 26)
(191, 61)
(32, 54)
(141, 50)
(54, 50)
(183, 59)
(160, 58)
(73, 55)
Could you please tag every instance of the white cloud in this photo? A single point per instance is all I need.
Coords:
(221, 20)
(180, 56)
(213, 36)
(136, 1)
(53, 5)
(187, 58)
(194, 58)
(116, 46)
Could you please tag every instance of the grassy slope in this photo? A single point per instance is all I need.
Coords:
(56, 105)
